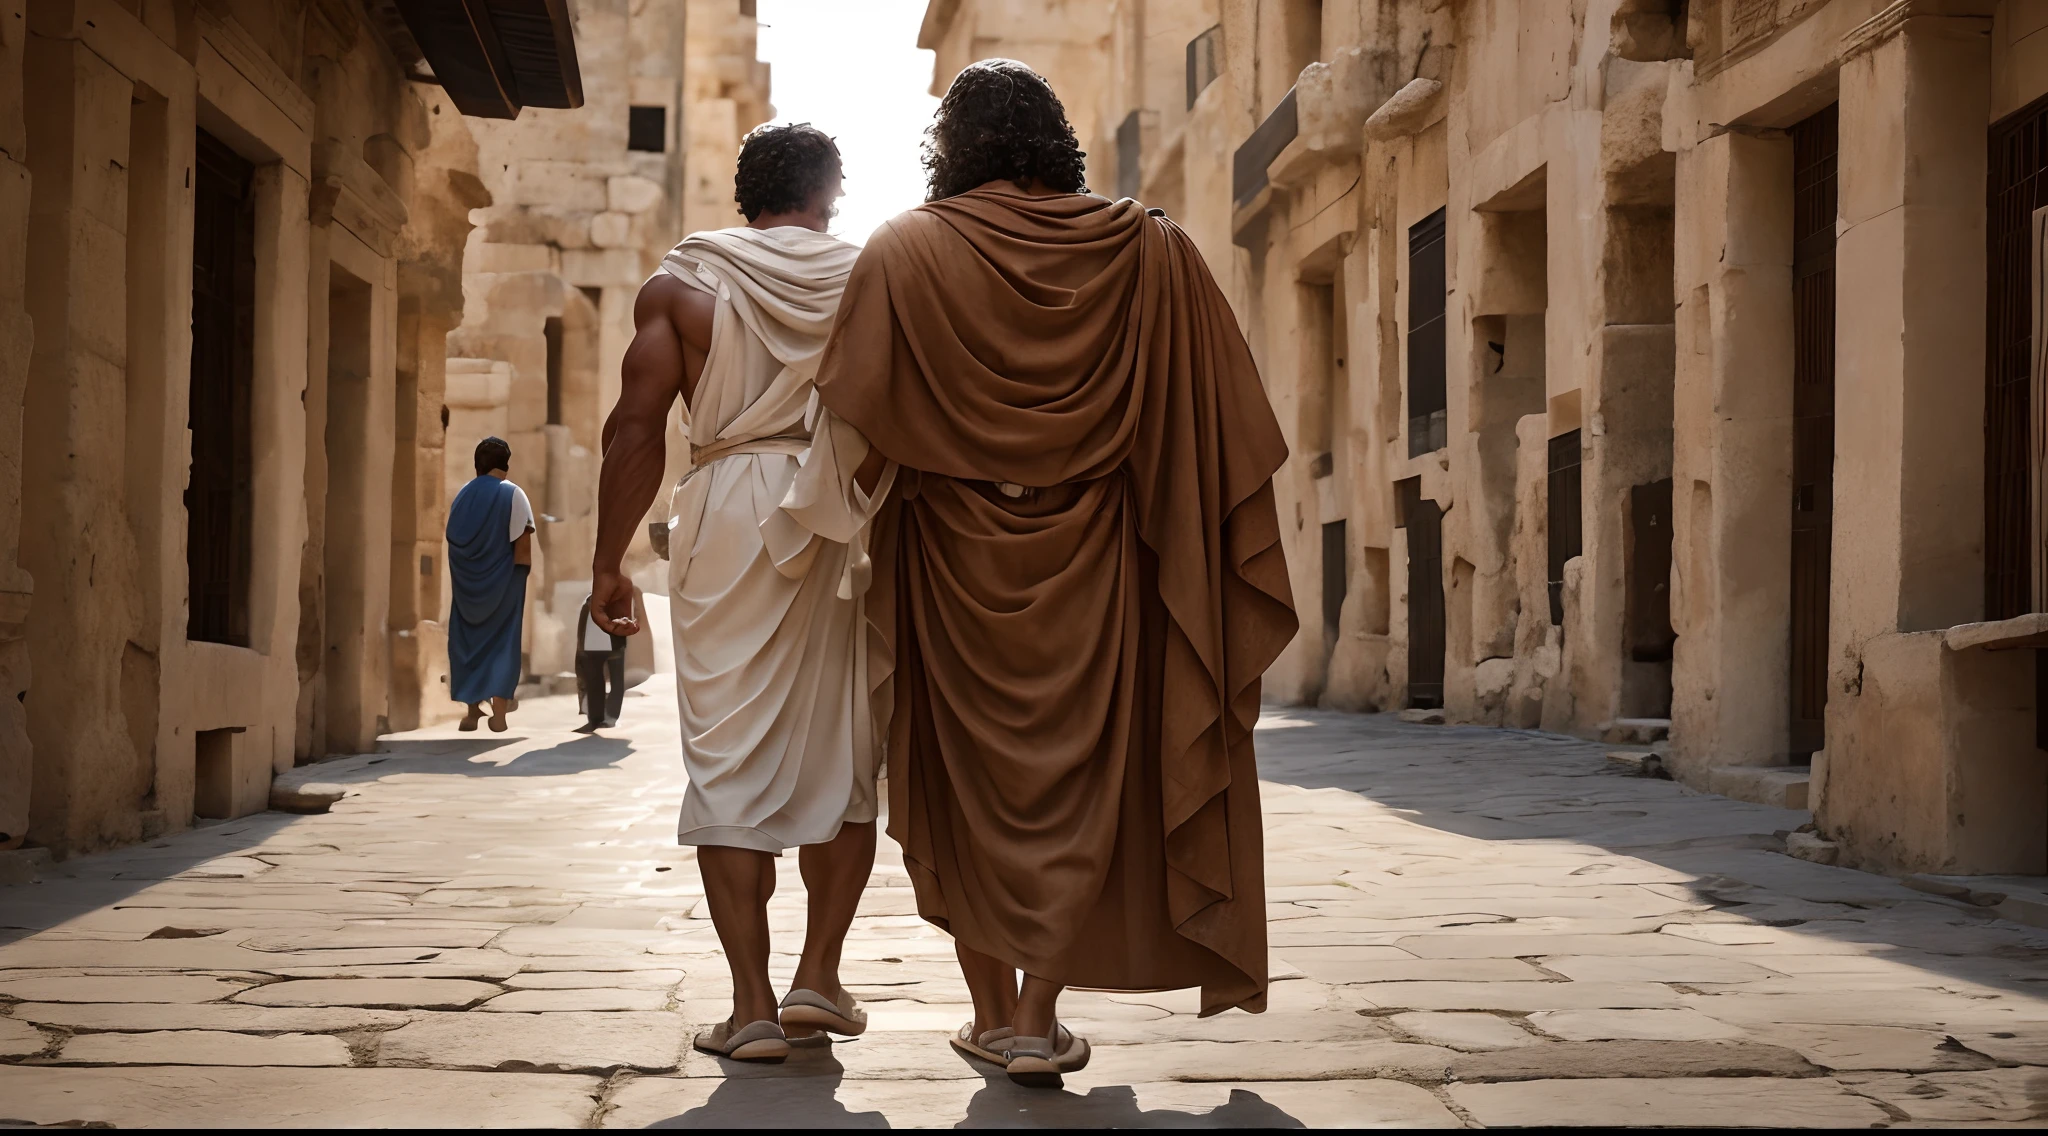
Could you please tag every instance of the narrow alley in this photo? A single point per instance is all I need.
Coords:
(1471, 927)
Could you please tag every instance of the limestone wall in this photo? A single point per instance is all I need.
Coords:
(1617, 197)
(1067, 41)
(337, 267)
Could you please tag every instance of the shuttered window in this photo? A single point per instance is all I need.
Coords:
(1428, 429)
(218, 495)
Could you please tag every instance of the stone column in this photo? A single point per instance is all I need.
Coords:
(1732, 452)
(1909, 408)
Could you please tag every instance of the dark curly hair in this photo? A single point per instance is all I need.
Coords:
(782, 167)
(1001, 121)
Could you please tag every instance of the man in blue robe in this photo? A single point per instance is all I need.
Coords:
(490, 551)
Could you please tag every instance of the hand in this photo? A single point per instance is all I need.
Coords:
(611, 603)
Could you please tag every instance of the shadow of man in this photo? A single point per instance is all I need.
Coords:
(1001, 1104)
(802, 1093)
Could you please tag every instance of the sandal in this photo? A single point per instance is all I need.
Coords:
(992, 1046)
(810, 1010)
(761, 1041)
(1036, 1063)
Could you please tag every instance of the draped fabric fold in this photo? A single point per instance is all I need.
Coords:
(1077, 665)
(771, 647)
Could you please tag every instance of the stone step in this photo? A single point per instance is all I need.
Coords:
(1782, 786)
(1635, 731)
(1423, 717)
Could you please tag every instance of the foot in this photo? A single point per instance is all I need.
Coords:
(588, 728)
(498, 719)
(611, 723)
(762, 1042)
(988, 1045)
(469, 720)
(1039, 1062)
(809, 1010)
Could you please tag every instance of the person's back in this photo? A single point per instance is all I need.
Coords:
(490, 534)
(1083, 581)
(770, 651)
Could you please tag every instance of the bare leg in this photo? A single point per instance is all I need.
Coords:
(993, 985)
(834, 874)
(737, 885)
(1037, 1008)
(498, 708)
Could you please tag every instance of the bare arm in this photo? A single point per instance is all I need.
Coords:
(522, 549)
(673, 322)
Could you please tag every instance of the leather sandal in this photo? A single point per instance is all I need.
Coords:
(1037, 1062)
(761, 1042)
(810, 1010)
(992, 1046)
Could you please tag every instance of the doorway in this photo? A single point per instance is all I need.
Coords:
(1424, 522)
(1814, 147)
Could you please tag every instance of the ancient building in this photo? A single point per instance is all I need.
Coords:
(1553, 311)
(583, 208)
(1067, 41)
(233, 235)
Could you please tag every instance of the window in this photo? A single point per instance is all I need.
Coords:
(1205, 62)
(552, 330)
(1130, 143)
(1428, 425)
(1336, 579)
(647, 129)
(218, 508)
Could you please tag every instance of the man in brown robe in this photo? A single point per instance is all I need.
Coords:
(1078, 576)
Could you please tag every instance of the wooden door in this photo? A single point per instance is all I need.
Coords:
(1813, 421)
(1424, 522)
(218, 497)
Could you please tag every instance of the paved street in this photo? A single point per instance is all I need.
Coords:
(1469, 927)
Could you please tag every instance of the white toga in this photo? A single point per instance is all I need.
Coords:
(772, 655)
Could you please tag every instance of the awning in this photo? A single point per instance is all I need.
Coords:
(497, 57)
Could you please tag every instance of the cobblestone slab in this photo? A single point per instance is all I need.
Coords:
(1468, 927)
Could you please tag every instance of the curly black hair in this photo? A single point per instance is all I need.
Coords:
(1000, 120)
(782, 167)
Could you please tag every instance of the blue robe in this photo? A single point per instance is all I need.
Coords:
(489, 606)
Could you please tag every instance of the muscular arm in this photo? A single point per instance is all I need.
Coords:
(673, 332)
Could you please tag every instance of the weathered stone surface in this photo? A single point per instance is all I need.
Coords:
(1462, 1031)
(1875, 1047)
(209, 1016)
(21, 1039)
(1639, 1025)
(552, 1043)
(1633, 1059)
(203, 1047)
(393, 993)
(2007, 1096)
(1717, 1102)
(115, 988)
(1335, 964)
(656, 979)
(532, 1001)
(194, 1097)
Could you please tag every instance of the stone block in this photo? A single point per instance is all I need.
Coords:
(388, 993)
(205, 1016)
(201, 1097)
(121, 988)
(611, 230)
(632, 194)
(204, 1047)
(1422, 717)
(1780, 786)
(1461, 1031)
(1668, 1102)
(21, 1039)
(1654, 1059)
(1889, 1048)
(532, 1001)
(1631, 1025)
(1812, 847)
(547, 1043)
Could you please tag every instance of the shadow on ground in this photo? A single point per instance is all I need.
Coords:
(1528, 786)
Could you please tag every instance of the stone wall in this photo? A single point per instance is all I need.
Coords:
(1617, 207)
(122, 716)
(579, 219)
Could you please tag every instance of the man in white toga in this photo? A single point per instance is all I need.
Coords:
(772, 666)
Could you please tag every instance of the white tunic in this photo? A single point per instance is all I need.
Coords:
(771, 652)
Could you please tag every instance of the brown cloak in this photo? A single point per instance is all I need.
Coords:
(1076, 667)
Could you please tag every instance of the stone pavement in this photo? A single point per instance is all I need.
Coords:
(1469, 927)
